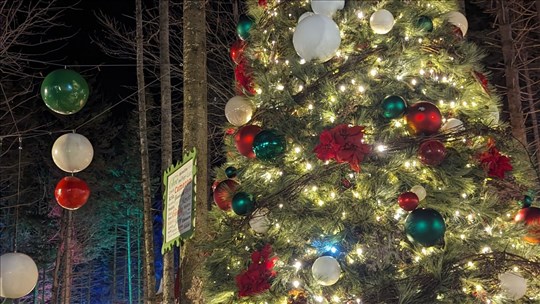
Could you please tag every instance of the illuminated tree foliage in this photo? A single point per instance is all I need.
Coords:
(334, 191)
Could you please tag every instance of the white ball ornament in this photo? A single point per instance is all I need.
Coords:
(259, 221)
(18, 275)
(381, 22)
(452, 125)
(327, 7)
(305, 15)
(459, 20)
(326, 270)
(238, 110)
(513, 285)
(316, 37)
(72, 152)
(419, 191)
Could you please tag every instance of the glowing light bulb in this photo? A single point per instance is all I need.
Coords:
(381, 148)
(361, 89)
(296, 284)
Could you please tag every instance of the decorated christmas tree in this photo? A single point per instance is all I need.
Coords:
(366, 163)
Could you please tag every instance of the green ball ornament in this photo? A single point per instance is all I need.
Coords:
(244, 27)
(231, 172)
(393, 107)
(268, 145)
(242, 203)
(425, 226)
(425, 23)
(526, 202)
(64, 91)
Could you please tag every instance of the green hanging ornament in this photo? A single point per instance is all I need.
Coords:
(526, 202)
(64, 91)
(268, 145)
(393, 106)
(242, 203)
(244, 26)
(231, 172)
(425, 226)
(425, 23)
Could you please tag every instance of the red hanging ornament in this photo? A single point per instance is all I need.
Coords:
(482, 79)
(531, 217)
(408, 201)
(431, 152)
(224, 192)
(256, 279)
(263, 3)
(244, 79)
(237, 51)
(71, 192)
(343, 144)
(494, 162)
(244, 140)
(423, 118)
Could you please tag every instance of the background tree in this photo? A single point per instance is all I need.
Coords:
(349, 145)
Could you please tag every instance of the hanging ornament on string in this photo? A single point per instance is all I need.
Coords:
(263, 3)
(408, 201)
(458, 20)
(237, 51)
(513, 285)
(419, 191)
(19, 275)
(326, 270)
(268, 145)
(244, 79)
(425, 226)
(431, 152)
(224, 192)
(259, 221)
(423, 118)
(244, 140)
(238, 110)
(381, 22)
(526, 202)
(452, 125)
(72, 152)
(244, 27)
(393, 106)
(531, 217)
(316, 37)
(71, 193)
(231, 172)
(327, 7)
(64, 91)
(242, 203)
(424, 23)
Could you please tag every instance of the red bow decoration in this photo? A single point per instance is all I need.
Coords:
(344, 144)
(494, 162)
(256, 279)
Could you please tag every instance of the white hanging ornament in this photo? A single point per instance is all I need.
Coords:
(492, 117)
(238, 110)
(259, 221)
(327, 7)
(513, 285)
(381, 22)
(419, 191)
(316, 37)
(326, 270)
(18, 274)
(459, 20)
(452, 125)
(305, 15)
(72, 152)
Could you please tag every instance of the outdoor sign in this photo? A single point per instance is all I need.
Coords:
(179, 201)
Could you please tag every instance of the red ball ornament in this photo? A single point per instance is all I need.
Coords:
(244, 80)
(431, 152)
(423, 118)
(408, 201)
(71, 192)
(224, 192)
(237, 51)
(531, 217)
(482, 79)
(244, 140)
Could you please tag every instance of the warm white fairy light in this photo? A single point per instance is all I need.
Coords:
(321, 203)
(360, 15)
(413, 82)
(302, 61)
(486, 249)
(336, 299)
(309, 166)
(464, 195)
(296, 284)
(422, 72)
(297, 149)
(333, 195)
(361, 89)
(342, 88)
(381, 148)
(300, 87)
(489, 230)
(318, 299)
(373, 72)
(280, 87)
(280, 206)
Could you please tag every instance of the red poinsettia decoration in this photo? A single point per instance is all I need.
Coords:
(344, 144)
(494, 162)
(256, 279)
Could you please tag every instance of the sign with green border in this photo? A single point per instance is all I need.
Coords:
(179, 201)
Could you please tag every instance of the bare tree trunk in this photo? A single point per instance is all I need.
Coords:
(535, 144)
(149, 280)
(512, 73)
(58, 263)
(195, 135)
(166, 132)
(128, 246)
(68, 258)
(115, 250)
